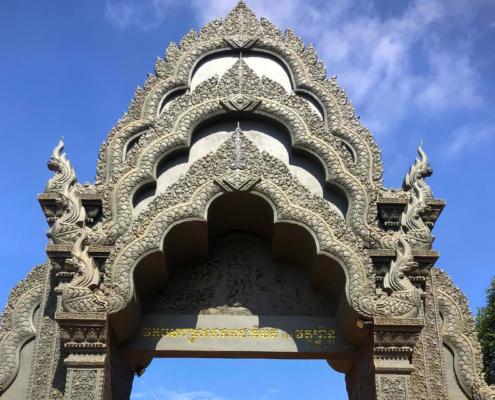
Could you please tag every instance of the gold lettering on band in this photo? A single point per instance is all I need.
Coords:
(320, 336)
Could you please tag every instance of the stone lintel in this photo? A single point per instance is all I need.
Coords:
(92, 203)
(98, 318)
(83, 334)
(381, 264)
(82, 362)
(394, 342)
(397, 200)
(399, 324)
(47, 197)
(396, 369)
(64, 251)
(389, 254)
(390, 211)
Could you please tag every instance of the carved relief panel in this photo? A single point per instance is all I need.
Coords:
(240, 278)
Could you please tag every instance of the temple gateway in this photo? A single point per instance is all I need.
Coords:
(238, 211)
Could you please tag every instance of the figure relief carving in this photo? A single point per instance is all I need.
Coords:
(239, 279)
(282, 293)
(239, 291)
(198, 295)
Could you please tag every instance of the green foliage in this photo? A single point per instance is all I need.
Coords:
(485, 326)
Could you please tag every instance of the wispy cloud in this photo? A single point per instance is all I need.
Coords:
(193, 395)
(391, 63)
(145, 14)
(467, 138)
(140, 395)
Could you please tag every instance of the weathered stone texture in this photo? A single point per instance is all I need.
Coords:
(408, 311)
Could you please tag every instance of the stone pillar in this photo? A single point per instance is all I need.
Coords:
(360, 380)
(84, 336)
(47, 369)
(394, 343)
(96, 368)
(119, 376)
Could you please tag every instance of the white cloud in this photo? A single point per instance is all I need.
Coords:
(140, 395)
(468, 137)
(453, 82)
(194, 395)
(389, 64)
(145, 14)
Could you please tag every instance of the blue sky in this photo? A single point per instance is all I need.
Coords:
(420, 69)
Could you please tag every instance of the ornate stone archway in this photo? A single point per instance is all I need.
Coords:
(408, 315)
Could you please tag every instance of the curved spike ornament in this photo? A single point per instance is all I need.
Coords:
(64, 173)
(415, 178)
(404, 299)
(417, 234)
(66, 229)
(82, 294)
(396, 279)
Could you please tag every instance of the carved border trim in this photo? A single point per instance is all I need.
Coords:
(17, 324)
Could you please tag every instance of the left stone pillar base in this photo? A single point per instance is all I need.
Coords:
(96, 368)
(85, 340)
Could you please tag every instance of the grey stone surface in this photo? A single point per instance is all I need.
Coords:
(19, 387)
(311, 190)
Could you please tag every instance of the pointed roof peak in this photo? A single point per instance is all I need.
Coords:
(242, 21)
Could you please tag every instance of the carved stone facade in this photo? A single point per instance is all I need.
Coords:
(240, 238)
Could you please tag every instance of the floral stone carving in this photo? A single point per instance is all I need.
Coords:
(411, 324)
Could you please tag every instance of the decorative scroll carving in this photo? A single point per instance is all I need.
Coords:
(48, 372)
(189, 196)
(415, 230)
(83, 385)
(393, 388)
(67, 217)
(459, 333)
(397, 339)
(415, 178)
(359, 174)
(351, 160)
(18, 325)
(404, 300)
(82, 293)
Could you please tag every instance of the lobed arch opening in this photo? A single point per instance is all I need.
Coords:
(231, 216)
(169, 98)
(263, 63)
(267, 134)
